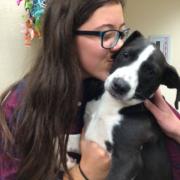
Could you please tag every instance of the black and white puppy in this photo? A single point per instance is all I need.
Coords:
(119, 122)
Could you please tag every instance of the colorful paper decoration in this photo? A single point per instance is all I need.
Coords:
(32, 26)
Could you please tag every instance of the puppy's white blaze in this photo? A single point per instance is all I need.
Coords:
(130, 73)
(144, 56)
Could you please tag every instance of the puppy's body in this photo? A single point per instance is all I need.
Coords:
(139, 150)
(131, 136)
(118, 121)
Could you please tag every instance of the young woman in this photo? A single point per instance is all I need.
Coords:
(79, 38)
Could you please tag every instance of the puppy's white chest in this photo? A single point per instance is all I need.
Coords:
(100, 118)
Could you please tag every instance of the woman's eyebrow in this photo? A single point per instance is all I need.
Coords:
(122, 25)
(111, 26)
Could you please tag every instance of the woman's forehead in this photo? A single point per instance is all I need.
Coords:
(109, 15)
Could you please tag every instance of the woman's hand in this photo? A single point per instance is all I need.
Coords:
(95, 161)
(165, 117)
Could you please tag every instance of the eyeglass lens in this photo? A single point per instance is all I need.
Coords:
(110, 39)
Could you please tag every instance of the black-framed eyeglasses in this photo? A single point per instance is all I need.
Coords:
(109, 38)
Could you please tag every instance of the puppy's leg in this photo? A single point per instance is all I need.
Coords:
(72, 146)
(125, 166)
(71, 162)
(73, 143)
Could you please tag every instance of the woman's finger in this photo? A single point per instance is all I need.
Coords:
(152, 107)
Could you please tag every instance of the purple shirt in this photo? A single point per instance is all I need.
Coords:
(9, 166)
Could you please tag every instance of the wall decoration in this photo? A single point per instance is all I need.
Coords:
(32, 26)
(163, 42)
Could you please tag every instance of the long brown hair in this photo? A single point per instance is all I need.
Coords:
(53, 87)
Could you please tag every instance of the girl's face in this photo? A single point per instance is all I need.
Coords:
(95, 60)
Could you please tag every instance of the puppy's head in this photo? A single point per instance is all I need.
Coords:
(138, 69)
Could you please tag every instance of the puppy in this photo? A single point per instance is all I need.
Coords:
(117, 119)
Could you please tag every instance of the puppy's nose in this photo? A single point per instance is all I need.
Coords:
(120, 86)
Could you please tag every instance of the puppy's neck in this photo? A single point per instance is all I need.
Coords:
(108, 99)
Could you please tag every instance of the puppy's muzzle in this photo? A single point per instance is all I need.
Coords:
(119, 87)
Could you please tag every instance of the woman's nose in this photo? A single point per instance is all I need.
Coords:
(118, 45)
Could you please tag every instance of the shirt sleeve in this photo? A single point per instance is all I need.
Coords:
(173, 149)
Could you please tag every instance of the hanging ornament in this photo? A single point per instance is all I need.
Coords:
(32, 26)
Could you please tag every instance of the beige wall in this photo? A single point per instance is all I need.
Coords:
(160, 17)
(152, 17)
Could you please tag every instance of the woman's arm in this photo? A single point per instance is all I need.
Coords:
(165, 116)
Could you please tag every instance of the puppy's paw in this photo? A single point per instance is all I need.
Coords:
(71, 162)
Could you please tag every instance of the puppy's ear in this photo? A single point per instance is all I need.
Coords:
(172, 80)
(133, 36)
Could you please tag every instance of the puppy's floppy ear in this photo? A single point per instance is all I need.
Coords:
(172, 80)
(133, 36)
